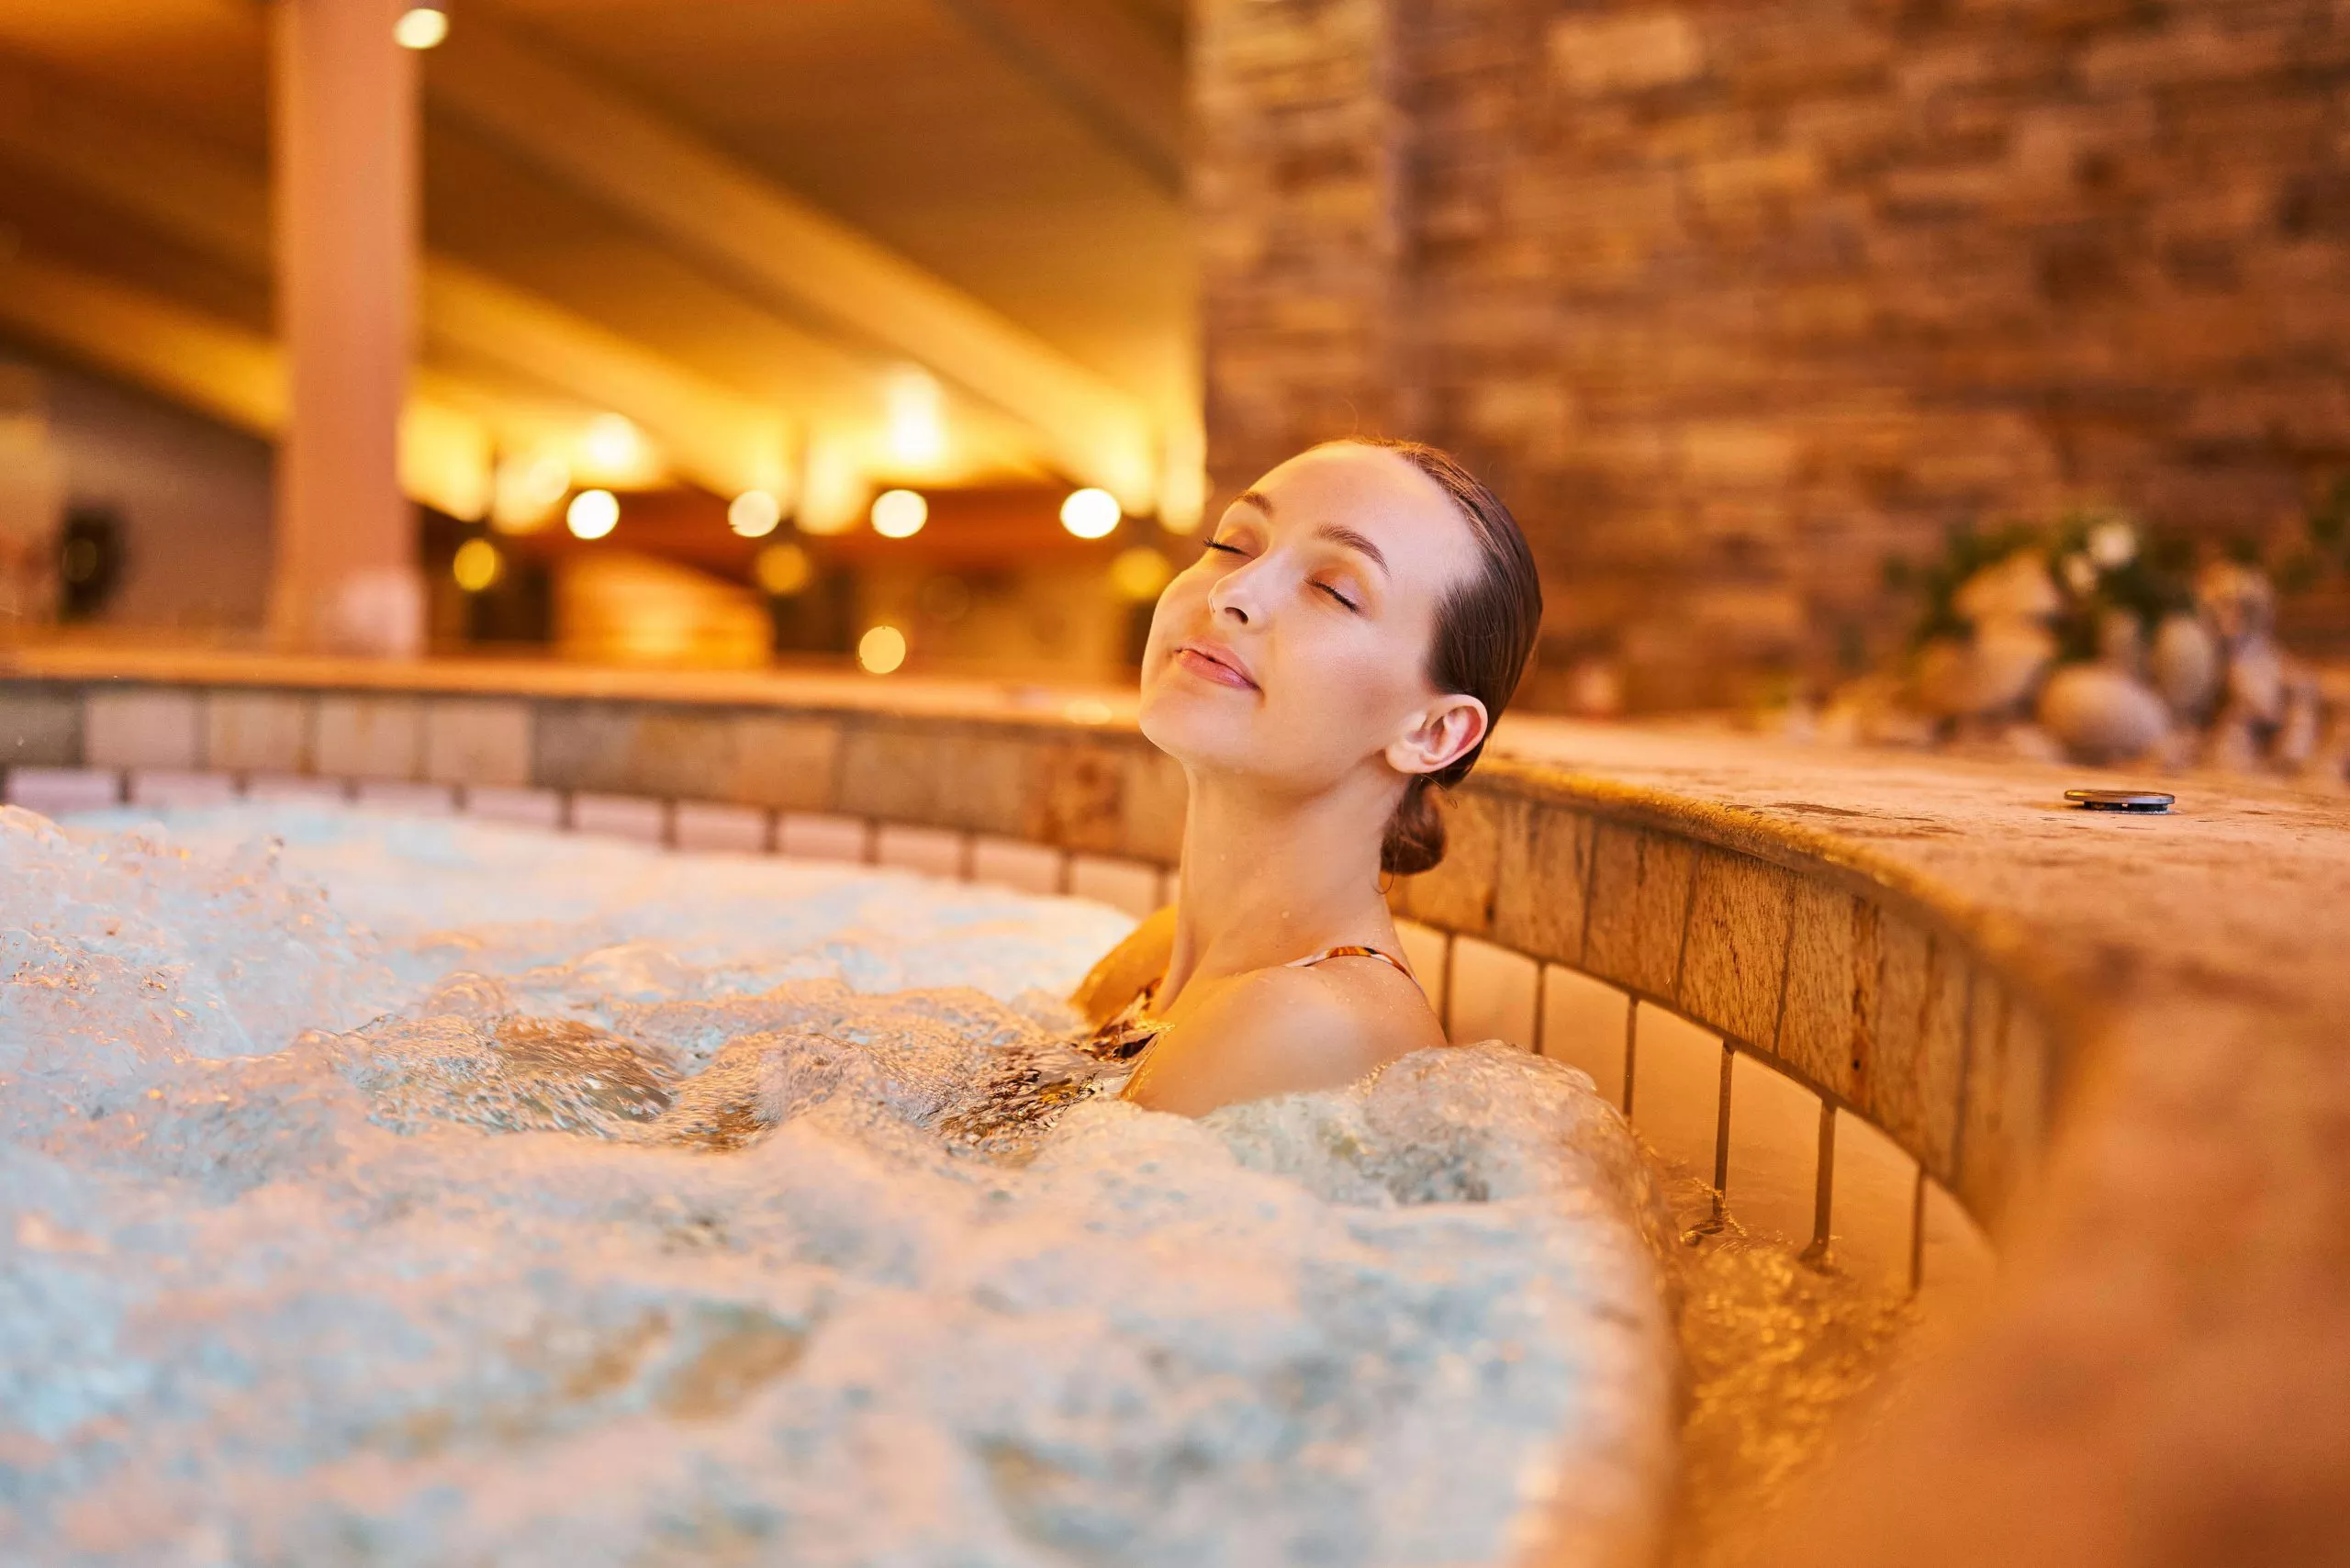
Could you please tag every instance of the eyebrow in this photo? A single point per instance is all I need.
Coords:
(1337, 532)
(1353, 539)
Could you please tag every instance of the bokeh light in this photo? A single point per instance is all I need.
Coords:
(421, 27)
(899, 514)
(754, 514)
(783, 569)
(1139, 574)
(475, 565)
(881, 649)
(1091, 514)
(915, 418)
(593, 514)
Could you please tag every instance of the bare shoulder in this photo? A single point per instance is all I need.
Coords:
(1283, 1031)
(1126, 969)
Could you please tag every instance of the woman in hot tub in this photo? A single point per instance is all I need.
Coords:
(1354, 625)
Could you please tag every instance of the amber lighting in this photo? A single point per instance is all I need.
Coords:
(754, 514)
(421, 26)
(593, 514)
(915, 419)
(476, 565)
(782, 569)
(1091, 514)
(1139, 574)
(899, 514)
(881, 649)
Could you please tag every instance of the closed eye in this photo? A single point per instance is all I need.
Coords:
(1228, 549)
(1342, 599)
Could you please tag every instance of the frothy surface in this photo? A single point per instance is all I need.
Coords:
(426, 1192)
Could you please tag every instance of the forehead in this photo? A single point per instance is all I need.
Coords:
(1412, 519)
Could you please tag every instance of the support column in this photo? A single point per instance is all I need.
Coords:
(345, 149)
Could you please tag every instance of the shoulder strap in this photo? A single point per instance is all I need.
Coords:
(1355, 950)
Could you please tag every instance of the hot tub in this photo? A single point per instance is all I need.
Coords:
(1886, 1006)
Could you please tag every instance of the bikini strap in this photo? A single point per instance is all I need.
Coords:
(1354, 950)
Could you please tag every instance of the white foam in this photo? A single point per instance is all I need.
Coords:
(423, 1192)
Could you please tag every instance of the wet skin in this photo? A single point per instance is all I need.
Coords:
(1287, 670)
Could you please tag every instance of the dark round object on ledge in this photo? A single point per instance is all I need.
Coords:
(2120, 799)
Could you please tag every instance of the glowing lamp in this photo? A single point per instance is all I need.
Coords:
(754, 514)
(592, 514)
(782, 569)
(899, 514)
(423, 26)
(476, 565)
(881, 649)
(1091, 514)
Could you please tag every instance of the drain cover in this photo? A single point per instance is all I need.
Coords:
(2120, 799)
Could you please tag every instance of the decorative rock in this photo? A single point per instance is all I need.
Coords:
(2102, 714)
(2257, 680)
(2297, 734)
(2185, 664)
(1994, 672)
(2240, 600)
(2122, 641)
(2017, 589)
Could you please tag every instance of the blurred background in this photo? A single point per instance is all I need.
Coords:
(919, 333)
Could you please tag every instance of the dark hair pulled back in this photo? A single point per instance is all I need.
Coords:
(1485, 630)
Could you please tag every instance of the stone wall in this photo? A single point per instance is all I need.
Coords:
(1736, 298)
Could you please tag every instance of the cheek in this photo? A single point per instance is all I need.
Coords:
(1340, 689)
(1182, 605)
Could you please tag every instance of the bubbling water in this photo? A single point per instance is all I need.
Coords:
(418, 1192)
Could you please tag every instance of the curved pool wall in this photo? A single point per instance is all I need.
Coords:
(1862, 993)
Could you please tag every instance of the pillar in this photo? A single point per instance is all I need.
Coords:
(344, 575)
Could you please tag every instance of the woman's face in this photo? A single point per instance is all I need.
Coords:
(1295, 648)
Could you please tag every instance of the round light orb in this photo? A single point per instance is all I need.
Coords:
(475, 565)
(899, 514)
(782, 569)
(592, 514)
(1091, 514)
(881, 649)
(1139, 574)
(754, 514)
(421, 27)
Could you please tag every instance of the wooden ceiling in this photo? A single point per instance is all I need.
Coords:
(1022, 152)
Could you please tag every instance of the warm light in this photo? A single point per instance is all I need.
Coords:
(899, 514)
(881, 649)
(1138, 574)
(782, 569)
(832, 488)
(611, 444)
(421, 27)
(476, 565)
(914, 413)
(593, 514)
(1090, 513)
(754, 514)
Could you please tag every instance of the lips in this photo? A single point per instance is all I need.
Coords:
(1219, 665)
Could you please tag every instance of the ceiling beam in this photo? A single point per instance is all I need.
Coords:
(236, 376)
(1101, 62)
(734, 221)
(712, 435)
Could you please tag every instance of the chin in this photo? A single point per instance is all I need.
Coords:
(1188, 724)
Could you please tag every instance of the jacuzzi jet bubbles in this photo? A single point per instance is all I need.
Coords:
(501, 1204)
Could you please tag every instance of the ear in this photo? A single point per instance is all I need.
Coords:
(1441, 736)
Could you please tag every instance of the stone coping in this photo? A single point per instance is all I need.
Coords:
(2117, 1039)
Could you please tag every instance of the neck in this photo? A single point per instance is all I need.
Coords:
(1267, 876)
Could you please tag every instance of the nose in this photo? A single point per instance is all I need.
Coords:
(1233, 595)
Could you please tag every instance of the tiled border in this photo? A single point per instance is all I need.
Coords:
(1824, 1046)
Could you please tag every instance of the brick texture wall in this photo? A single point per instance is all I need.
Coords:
(1734, 299)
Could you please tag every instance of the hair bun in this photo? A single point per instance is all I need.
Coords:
(1414, 840)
